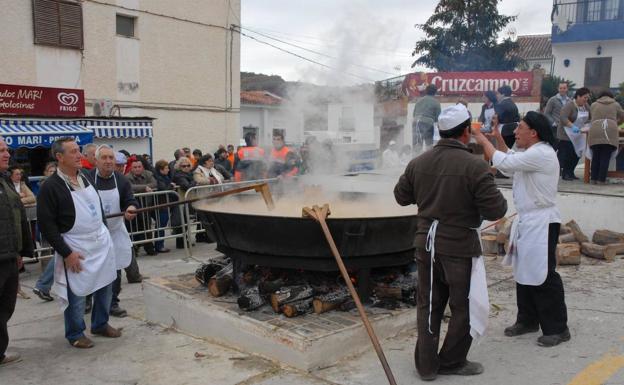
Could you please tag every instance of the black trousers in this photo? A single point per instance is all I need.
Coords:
(451, 284)
(601, 155)
(544, 305)
(8, 297)
(567, 158)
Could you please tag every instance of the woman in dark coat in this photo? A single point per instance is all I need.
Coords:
(183, 178)
(164, 183)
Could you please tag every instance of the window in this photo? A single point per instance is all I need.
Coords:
(347, 120)
(125, 25)
(57, 23)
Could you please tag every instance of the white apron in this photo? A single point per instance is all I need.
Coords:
(478, 298)
(119, 234)
(579, 141)
(89, 237)
(528, 247)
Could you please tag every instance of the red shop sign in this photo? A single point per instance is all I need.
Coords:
(467, 83)
(41, 101)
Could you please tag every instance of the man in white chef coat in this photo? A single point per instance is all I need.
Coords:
(535, 232)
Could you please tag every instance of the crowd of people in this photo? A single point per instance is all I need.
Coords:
(579, 128)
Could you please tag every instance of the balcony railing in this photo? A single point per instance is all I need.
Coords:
(566, 14)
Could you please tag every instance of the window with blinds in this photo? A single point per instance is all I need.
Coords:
(57, 23)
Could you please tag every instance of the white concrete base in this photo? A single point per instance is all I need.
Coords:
(199, 316)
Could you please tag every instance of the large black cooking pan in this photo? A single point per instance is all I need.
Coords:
(298, 243)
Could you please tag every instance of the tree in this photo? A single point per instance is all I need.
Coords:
(550, 87)
(461, 35)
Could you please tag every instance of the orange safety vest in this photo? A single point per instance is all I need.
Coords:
(279, 156)
(247, 155)
(230, 158)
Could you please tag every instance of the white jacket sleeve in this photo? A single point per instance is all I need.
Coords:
(510, 162)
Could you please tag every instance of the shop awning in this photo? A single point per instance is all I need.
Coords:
(120, 128)
(42, 133)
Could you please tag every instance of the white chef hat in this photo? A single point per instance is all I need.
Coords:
(392, 142)
(120, 158)
(452, 116)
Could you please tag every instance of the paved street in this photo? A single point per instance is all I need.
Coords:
(155, 354)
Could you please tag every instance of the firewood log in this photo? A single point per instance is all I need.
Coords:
(219, 286)
(576, 230)
(221, 282)
(564, 230)
(290, 294)
(330, 301)
(607, 237)
(592, 250)
(501, 223)
(504, 232)
(386, 291)
(568, 254)
(269, 287)
(250, 299)
(347, 305)
(490, 244)
(567, 238)
(294, 309)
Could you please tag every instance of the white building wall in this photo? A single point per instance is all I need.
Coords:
(577, 53)
(363, 118)
(176, 71)
(268, 118)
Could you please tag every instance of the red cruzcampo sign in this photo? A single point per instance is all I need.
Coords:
(41, 101)
(467, 83)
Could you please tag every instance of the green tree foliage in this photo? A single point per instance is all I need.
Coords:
(462, 35)
(550, 86)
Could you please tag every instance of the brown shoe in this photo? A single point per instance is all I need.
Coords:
(107, 331)
(82, 343)
(10, 358)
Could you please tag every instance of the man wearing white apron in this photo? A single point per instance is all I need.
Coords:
(454, 190)
(71, 219)
(116, 194)
(535, 232)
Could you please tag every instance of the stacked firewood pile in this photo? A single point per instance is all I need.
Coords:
(573, 243)
(294, 292)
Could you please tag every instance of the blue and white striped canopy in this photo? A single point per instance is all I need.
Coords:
(120, 128)
(42, 133)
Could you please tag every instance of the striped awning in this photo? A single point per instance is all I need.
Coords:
(42, 133)
(120, 128)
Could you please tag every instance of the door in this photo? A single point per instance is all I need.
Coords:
(597, 72)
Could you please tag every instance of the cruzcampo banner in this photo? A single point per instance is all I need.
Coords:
(467, 83)
(41, 101)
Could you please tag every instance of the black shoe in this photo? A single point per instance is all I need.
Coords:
(467, 369)
(137, 279)
(567, 177)
(116, 311)
(163, 250)
(554, 339)
(574, 177)
(43, 295)
(518, 329)
(150, 250)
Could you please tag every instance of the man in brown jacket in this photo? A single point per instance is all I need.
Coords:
(454, 191)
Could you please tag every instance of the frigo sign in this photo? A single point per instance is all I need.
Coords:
(467, 83)
(41, 101)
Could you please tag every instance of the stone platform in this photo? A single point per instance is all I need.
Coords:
(306, 342)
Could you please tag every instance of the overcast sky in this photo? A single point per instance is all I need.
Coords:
(360, 39)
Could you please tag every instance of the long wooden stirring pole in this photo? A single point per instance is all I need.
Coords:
(262, 188)
(319, 214)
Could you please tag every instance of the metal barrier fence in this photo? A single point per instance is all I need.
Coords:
(151, 226)
(194, 225)
(161, 224)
